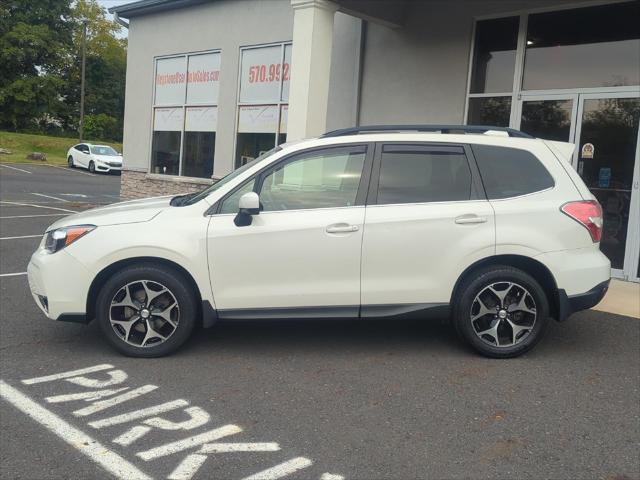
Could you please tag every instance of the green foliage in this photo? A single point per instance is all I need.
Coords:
(101, 126)
(35, 36)
(40, 54)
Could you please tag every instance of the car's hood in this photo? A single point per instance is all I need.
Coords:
(133, 211)
(107, 158)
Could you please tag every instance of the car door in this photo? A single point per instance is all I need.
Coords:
(426, 221)
(81, 155)
(301, 254)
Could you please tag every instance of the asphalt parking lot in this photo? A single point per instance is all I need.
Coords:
(324, 400)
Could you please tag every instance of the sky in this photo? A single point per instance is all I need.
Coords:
(115, 3)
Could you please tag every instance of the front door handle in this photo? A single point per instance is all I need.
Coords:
(471, 218)
(341, 228)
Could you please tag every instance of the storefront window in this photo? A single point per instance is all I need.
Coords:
(264, 94)
(185, 115)
(494, 56)
(167, 131)
(494, 111)
(586, 47)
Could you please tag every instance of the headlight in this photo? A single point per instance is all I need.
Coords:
(61, 237)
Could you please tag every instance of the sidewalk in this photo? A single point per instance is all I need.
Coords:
(623, 298)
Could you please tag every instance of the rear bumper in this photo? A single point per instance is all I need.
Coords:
(575, 303)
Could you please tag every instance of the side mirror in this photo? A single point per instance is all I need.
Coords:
(249, 205)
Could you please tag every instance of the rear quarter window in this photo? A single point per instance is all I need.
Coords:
(510, 172)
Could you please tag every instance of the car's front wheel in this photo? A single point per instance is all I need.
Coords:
(501, 311)
(146, 310)
(92, 167)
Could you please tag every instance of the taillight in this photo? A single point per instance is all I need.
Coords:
(588, 213)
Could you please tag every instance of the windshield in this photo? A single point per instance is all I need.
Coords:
(226, 179)
(106, 150)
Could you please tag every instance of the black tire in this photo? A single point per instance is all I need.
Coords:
(70, 162)
(465, 300)
(178, 286)
(92, 167)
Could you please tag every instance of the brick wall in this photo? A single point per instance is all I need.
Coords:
(141, 184)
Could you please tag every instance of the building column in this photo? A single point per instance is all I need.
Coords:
(310, 67)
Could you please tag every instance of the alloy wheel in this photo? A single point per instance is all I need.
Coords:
(503, 314)
(144, 313)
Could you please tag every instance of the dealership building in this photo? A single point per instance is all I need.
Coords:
(212, 84)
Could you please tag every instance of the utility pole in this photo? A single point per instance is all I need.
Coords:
(84, 57)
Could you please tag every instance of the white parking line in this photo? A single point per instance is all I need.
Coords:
(107, 459)
(239, 447)
(32, 216)
(282, 470)
(18, 238)
(81, 195)
(138, 414)
(72, 373)
(51, 197)
(110, 402)
(14, 168)
(180, 445)
(12, 274)
(67, 169)
(38, 206)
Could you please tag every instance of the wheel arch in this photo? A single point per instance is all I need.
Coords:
(527, 264)
(100, 279)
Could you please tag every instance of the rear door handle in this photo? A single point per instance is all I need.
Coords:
(471, 218)
(341, 228)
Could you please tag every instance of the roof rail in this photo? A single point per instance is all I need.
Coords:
(424, 128)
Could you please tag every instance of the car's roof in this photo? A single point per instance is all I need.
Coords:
(93, 144)
(489, 138)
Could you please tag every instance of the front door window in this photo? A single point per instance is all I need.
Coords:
(326, 179)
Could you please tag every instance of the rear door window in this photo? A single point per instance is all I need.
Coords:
(419, 174)
(510, 172)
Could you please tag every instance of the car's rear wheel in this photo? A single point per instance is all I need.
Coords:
(501, 311)
(146, 310)
(92, 167)
(71, 162)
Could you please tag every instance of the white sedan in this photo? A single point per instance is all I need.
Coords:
(95, 158)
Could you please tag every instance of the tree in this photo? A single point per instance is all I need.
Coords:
(105, 71)
(35, 36)
(40, 54)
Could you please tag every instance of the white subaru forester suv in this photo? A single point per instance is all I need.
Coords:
(487, 226)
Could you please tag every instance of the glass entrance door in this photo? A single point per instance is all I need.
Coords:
(607, 160)
(604, 128)
(550, 117)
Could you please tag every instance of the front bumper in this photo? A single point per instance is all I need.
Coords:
(105, 168)
(59, 285)
(583, 301)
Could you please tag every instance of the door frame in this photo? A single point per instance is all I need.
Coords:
(632, 247)
(532, 97)
(629, 270)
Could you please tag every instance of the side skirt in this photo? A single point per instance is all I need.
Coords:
(417, 310)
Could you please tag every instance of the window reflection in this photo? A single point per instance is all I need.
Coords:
(548, 119)
(494, 111)
(494, 55)
(586, 47)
